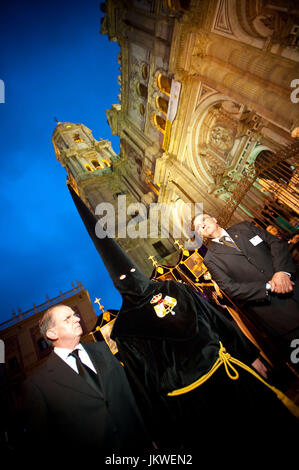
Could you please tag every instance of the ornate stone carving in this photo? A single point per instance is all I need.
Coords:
(274, 21)
(225, 122)
(280, 25)
(201, 44)
(221, 138)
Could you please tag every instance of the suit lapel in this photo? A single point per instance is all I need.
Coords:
(240, 239)
(64, 375)
(99, 363)
(219, 248)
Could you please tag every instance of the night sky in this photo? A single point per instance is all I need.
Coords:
(54, 63)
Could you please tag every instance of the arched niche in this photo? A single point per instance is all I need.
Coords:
(213, 133)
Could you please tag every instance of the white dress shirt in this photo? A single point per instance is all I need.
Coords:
(223, 234)
(63, 353)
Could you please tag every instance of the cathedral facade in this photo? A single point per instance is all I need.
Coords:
(207, 117)
(208, 106)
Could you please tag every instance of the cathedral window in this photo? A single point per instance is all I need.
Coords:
(179, 5)
(96, 164)
(162, 104)
(108, 164)
(164, 84)
(144, 71)
(142, 90)
(142, 109)
(77, 138)
(161, 249)
(88, 167)
(159, 122)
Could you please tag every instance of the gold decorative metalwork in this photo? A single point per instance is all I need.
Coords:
(250, 174)
(106, 328)
(195, 264)
(106, 332)
(153, 260)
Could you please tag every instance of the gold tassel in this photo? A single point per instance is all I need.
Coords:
(294, 409)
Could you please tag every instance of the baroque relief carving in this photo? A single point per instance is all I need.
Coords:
(221, 137)
(201, 44)
(260, 22)
(225, 124)
(276, 24)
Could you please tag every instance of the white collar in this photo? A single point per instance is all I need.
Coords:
(223, 234)
(64, 352)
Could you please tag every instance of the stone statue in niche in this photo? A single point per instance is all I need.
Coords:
(219, 176)
(216, 170)
(240, 116)
(280, 25)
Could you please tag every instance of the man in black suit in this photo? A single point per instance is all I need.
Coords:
(81, 398)
(255, 269)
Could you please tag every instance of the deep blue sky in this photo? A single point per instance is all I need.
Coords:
(54, 63)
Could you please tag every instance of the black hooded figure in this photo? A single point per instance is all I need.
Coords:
(176, 350)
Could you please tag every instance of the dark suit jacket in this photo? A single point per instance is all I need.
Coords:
(243, 275)
(61, 408)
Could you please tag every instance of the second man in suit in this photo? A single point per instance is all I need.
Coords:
(255, 269)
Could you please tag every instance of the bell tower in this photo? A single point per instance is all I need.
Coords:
(99, 175)
(83, 157)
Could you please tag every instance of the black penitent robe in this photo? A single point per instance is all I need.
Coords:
(165, 354)
(168, 337)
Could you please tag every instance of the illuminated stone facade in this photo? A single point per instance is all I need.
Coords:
(105, 180)
(232, 141)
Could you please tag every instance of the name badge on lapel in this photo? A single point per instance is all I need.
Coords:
(256, 240)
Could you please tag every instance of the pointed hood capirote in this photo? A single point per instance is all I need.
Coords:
(126, 276)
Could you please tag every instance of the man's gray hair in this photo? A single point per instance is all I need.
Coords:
(46, 322)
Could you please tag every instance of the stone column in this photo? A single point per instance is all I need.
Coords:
(269, 67)
(248, 90)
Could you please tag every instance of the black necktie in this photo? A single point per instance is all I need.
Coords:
(86, 372)
(227, 242)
